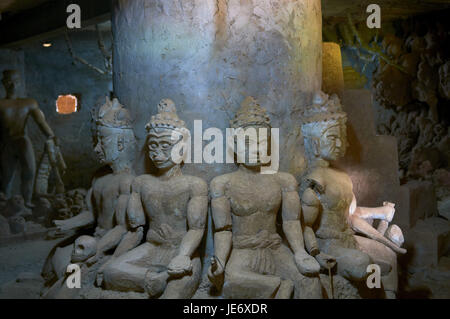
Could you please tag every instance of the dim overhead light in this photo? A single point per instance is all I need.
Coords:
(46, 45)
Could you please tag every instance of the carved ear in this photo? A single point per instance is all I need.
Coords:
(120, 143)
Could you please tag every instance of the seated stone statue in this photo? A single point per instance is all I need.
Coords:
(251, 259)
(167, 265)
(329, 205)
(108, 197)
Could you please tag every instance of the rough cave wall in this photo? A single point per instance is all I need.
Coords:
(208, 55)
(411, 92)
(51, 72)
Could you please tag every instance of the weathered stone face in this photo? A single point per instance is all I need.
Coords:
(160, 145)
(84, 248)
(332, 143)
(11, 81)
(107, 148)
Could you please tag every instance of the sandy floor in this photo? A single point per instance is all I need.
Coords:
(27, 256)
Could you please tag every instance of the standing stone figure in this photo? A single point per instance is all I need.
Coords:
(251, 259)
(15, 146)
(329, 205)
(175, 205)
(108, 197)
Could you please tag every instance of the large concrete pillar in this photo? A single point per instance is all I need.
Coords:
(207, 55)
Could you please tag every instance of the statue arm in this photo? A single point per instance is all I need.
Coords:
(114, 236)
(291, 210)
(310, 208)
(196, 218)
(135, 211)
(197, 211)
(39, 118)
(311, 211)
(221, 216)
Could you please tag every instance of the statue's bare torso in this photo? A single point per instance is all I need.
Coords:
(106, 192)
(14, 115)
(335, 196)
(165, 202)
(254, 199)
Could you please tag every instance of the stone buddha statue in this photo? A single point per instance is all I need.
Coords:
(107, 199)
(168, 264)
(251, 259)
(329, 206)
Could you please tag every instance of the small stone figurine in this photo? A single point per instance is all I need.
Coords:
(329, 205)
(168, 264)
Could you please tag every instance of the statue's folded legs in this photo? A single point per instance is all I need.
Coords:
(145, 269)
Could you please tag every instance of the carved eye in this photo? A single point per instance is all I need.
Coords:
(165, 145)
(153, 145)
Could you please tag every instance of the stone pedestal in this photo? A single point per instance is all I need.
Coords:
(372, 160)
(427, 242)
(208, 55)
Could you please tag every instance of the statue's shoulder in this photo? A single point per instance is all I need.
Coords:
(197, 185)
(315, 180)
(125, 182)
(28, 103)
(219, 184)
(145, 178)
(287, 181)
(24, 103)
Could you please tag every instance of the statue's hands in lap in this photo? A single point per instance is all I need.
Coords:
(180, 266)
(325, 261)
(306, 264)
(391, 210)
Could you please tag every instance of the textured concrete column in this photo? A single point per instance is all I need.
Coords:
(207, 55)
(332, 72)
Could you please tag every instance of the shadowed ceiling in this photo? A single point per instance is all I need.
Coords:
(15, 6)
(391, 9)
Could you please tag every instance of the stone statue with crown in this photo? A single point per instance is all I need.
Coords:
(168, 264)
(251, 259)
(106, 200)
(330, 209)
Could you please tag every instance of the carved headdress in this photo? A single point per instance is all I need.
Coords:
(250, 113)
(166, 118)
(112, 114)
(323, 109)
